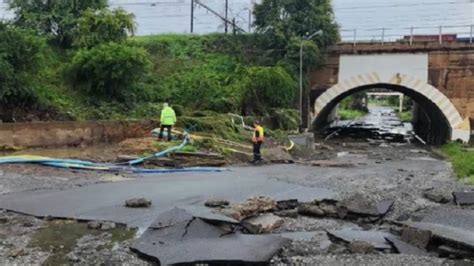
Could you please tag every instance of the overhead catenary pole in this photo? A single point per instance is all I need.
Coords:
(192, 16)
(226, 15)
(198, 2)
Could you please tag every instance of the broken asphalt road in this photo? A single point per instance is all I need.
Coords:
(105, 201)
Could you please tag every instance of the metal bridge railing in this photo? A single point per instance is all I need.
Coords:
(440, 34)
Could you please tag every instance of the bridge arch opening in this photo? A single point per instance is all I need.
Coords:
(441, 121)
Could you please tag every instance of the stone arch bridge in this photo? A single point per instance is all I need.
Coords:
(439, 78)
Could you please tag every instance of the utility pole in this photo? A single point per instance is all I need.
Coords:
(234, 30)
(226, 15)
(250, 20)
(192, 16)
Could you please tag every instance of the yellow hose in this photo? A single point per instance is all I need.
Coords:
(292, 145)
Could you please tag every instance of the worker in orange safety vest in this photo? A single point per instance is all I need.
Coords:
(257, 139)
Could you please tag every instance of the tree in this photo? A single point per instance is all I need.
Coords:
(20, 58)
(101, 26)
(282, 20)
(56, 19)
(109, 71)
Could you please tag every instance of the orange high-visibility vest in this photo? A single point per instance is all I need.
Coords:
(260, 132)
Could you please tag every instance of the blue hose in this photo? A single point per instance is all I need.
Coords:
(115, 167)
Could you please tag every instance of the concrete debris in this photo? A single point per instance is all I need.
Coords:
(263, 223)
(287, 204)
(288, 213)
(310, 210)
(179, 215)
(193, 240)
(454, 253)
(448, 234)
(376, 238)
(250, 208)
(94, 225)
(216, 203)
(464, 198)
(361, 247)
(438, 196)
(417, 237)
(138, 203)
(107, 225)
(405, 248)
(358, 205)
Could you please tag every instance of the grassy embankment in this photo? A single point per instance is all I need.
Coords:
(462, 159)
(204, 77)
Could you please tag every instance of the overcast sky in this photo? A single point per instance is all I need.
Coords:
(396, 16)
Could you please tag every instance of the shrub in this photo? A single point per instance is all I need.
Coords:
(102, 26)
(20, 58)
(109, 71)
(267, 87)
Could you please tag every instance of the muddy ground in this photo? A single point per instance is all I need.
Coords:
(400, 172)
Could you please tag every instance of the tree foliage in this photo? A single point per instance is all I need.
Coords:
(109, 71)
(101, 26)
(20, 58)
(283, 20)
(54, 18)
(267, 87)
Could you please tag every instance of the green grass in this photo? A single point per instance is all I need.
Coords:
(406, 116)
(462, 160)
(348, 114)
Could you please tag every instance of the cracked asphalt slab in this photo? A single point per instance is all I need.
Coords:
(402, 173)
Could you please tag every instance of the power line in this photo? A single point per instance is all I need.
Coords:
(402, 5)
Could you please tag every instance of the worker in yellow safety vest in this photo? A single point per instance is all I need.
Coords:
(257, 139)
(167, 120)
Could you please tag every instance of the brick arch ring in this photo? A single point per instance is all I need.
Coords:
(460, 128)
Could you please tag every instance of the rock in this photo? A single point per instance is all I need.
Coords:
(336, 249)
(17, 252)
(328, 208)
(107, 225)
(216, 203)
(454, 253)
(287, 204)
(28, 224)
(360, 247)
(376, 238)
(94, 225)
(3, 220)
(288, 213)
(417, 237)
(310, 210)
(138, 203)
(250, 207)
(342, 212)
(360, 206)
(437, 196)
(405, 248)
(464, 198)
(264, 223)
